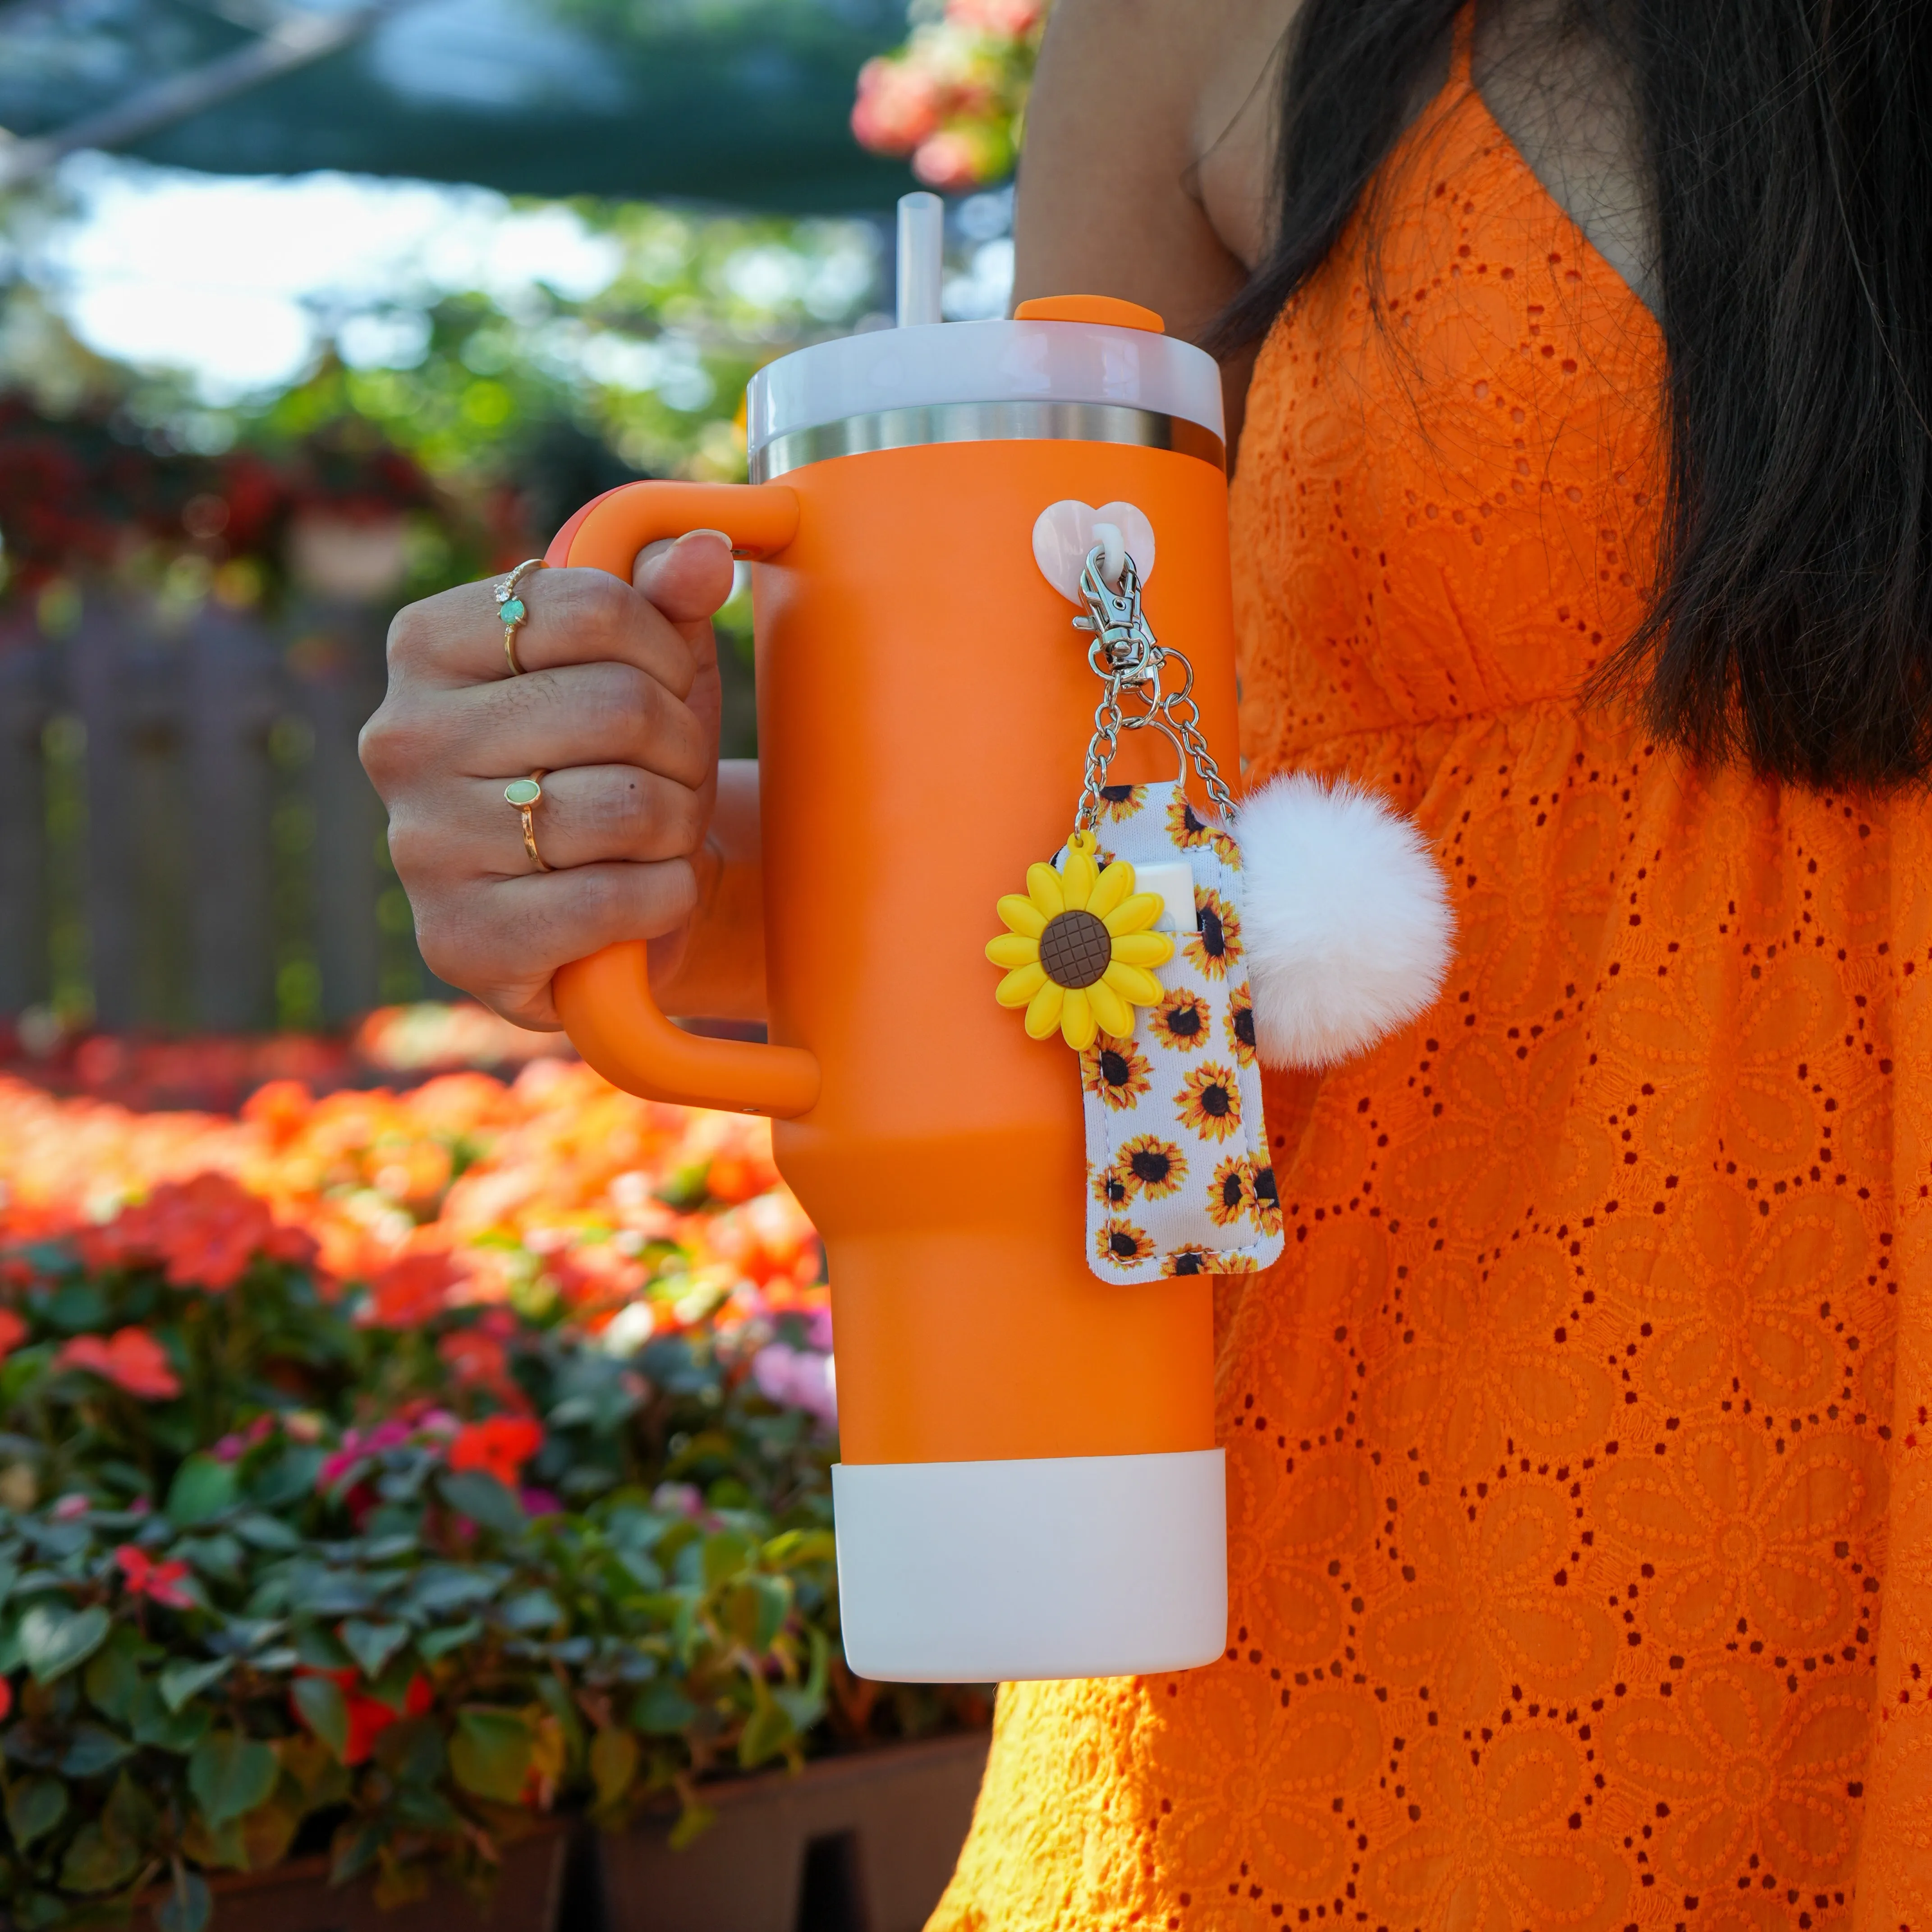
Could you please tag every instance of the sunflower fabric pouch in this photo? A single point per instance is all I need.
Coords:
(1128, 946)
(1179, 1179)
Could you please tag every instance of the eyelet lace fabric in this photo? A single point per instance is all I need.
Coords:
(1578, 1448)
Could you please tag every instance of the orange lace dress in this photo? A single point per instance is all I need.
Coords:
(1579, 1469)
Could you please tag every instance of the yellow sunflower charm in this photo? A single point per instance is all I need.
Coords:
(1078, 949)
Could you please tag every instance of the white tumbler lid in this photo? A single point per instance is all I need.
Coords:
(1031, 359)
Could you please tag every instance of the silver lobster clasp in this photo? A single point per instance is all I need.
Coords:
(1113, 615)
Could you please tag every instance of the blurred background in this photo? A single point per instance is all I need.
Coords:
(309, 310)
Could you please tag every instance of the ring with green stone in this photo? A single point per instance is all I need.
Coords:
(513, 610)
(526, 794)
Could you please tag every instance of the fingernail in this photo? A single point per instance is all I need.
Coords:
(720, 535)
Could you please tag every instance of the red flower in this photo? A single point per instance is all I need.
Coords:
(12, 1332)
(369, 1716)
(161, 1582)
(204, 1232)
(131, 1359)
(410, 1291)
(477, 1359)
(500, 1447)
(6, 1697)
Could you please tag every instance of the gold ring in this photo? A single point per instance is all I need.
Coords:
(513, 610)
(526, 794)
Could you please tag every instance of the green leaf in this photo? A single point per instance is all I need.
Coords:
(55, 1637)
(433, 1644)
(130, 1812)
(412, 1752)
(440, 1588)
(266, 1532)
(113, 1676)
(77, 1307)
(531, 1610)
(613, 1763)
(163, 1729)
(354, 1851)
(96, 1861)
(693, 1822)
(186, 1907)
(230, 1774)
(34, 1806)
(90, 1751)
(324, 1710)
(766, 1732)
(756, 1610)
(372, 1645)
(662, 1709)
(792, 1547)
(319, 1649)
(490, 1753)
(203, 1487)
(184, 1679)
(726, 1553)
(479, 1496)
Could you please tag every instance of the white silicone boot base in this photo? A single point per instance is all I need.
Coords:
(1070, 1566)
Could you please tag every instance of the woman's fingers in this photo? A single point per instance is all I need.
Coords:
(588, 814)
(687, 579)
(504, 938)
(576, 616)
(596, 714)
(618, 704)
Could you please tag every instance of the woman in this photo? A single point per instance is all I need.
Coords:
(1582, 1540)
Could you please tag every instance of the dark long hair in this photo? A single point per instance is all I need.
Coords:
(1788, 147)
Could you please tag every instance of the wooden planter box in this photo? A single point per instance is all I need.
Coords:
(298, 1898)
(863, 1843)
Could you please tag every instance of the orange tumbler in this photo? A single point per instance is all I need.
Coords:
(1030, 1486)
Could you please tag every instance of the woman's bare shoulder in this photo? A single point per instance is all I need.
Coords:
(1148, 139)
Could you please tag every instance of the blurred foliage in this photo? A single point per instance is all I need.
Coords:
(516, 405)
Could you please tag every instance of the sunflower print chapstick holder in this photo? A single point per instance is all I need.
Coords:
(1178, 1173)
(1129, 948)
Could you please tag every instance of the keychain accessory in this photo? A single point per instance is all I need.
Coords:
(1078, 947)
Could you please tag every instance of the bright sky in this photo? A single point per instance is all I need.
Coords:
(234, 280)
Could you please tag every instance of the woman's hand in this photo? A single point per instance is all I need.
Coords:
(618, 706)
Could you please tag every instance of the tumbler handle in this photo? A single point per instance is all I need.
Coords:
(605, 1001)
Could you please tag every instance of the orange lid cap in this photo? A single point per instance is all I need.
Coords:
(1108, 309)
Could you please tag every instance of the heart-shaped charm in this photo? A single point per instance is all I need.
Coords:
(1065, 531)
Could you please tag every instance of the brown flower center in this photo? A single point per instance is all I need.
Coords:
(1076, 949)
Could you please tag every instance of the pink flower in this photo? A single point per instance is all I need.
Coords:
(1011, 19)
(131, 1359)
(160, 1582)
(949, 162)
(898, 106)
(796, 1378)
(70, 1507)
(13, 1332)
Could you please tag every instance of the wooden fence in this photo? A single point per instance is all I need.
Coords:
(188, 841)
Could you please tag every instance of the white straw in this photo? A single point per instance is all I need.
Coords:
(922, 235)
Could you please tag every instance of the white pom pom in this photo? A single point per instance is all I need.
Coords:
(1345, 920)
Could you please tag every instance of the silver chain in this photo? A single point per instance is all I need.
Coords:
(1128, 660)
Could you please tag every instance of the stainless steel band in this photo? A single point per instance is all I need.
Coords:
(985, 422)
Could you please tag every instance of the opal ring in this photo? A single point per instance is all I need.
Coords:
(513, 610)
(526, 794)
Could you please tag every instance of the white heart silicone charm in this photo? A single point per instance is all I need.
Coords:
(1065, 533)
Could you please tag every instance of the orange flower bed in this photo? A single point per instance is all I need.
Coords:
(552, 1187)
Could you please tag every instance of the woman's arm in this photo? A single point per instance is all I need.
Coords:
(1149, 146)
